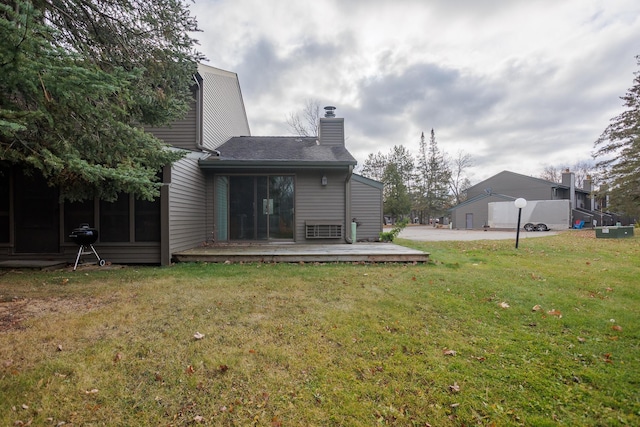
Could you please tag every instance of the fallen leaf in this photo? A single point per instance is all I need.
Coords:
(223, 368)
(580, 339)
(190, 370)
(198, 336)
(92, 391)
(65, 281)
(447, 352)
(554, 312)
(117, 357)
(455, 388)
(504, 305)
(536, 308)
(609, 289)
(198, 419)
(24, 406)
(616, 328)
(59, 348)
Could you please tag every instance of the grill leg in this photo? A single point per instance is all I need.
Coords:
(96, 254)
(78, 257)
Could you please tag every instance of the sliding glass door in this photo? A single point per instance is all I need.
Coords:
(260, 207)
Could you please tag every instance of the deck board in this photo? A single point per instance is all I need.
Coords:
(357, 252)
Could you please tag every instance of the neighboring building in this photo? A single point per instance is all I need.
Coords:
(230, 187)
(506, 186)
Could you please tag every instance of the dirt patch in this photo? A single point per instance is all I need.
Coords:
(15, 310)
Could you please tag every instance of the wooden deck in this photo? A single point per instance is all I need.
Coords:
(357, 252)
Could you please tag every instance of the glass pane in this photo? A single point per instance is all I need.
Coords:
(114, 220)
(147, 219)
(265, 208)
(222, 214)
(241, 208)
(281, 220)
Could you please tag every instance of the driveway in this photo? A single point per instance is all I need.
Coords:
(427, 233)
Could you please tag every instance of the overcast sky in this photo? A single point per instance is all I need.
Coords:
(517, 84)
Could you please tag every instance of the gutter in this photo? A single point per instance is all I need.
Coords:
(199, 145)
(347, 205)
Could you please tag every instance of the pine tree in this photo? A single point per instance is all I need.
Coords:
(79, 79)
(619, 151)
(436, 180)
(396, 197)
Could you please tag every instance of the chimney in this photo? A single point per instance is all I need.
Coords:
(569, 180)
(587, 185)
(331, 129)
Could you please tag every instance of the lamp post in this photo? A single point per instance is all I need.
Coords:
(520, 203)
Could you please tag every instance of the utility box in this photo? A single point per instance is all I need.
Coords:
(614, 232)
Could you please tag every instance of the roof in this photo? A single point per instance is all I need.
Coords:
(367, 181)
(481, 197)
(278, 151)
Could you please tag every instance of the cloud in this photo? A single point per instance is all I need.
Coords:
(518, 84)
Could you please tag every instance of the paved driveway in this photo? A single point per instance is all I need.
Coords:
(427, 233)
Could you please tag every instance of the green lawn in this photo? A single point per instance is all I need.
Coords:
(483, 335)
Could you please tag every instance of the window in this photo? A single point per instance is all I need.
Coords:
(114, 220)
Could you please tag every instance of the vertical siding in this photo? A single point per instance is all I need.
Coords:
(315, 202)
(188, 207)
(366, 207)
(182, 133)
(224, 114)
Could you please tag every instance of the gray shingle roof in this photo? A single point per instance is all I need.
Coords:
(268, 149)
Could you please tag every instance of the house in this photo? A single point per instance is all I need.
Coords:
(229, 187)
(508, 186)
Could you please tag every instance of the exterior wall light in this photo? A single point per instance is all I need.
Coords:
(323, 181)
(520, 203)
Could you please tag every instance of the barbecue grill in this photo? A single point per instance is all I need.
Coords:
(85, 237)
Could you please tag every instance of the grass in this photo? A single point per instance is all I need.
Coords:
(454, 342)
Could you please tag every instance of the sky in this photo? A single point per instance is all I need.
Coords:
(517, 84)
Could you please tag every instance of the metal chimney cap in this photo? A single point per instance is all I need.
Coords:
(329, 111)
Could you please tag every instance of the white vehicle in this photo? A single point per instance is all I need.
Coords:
(538, 215)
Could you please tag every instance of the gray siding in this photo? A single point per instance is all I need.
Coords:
(187, 206)
(366, 207)
(224, 114)
(315, 202)
(331, 132)
(515, 185)
(478, 208)
(180, 134)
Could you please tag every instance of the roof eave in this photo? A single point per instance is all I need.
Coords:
(272, 164)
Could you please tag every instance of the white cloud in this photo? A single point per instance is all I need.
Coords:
(518, 84)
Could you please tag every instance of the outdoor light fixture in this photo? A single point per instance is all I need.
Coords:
(520, 203)
(323, 181)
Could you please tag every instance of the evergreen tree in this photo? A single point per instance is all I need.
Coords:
(434, 177)
(438, 176)
(619, 151)
(396, 198)
(79, 79)
(374, 166)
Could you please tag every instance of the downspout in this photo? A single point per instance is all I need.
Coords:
(347, 205)
(199, 145)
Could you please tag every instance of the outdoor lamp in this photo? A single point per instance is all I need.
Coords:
(520, 203)
(323, 181)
